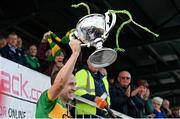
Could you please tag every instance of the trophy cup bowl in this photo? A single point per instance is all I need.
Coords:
(93, 30)
(91, 27)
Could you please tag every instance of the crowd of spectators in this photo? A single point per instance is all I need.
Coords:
(131, 99)
(35, 56)
(135, 100)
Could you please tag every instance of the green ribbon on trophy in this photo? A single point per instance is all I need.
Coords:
(82, 4)
(122, 25)
(125, 23)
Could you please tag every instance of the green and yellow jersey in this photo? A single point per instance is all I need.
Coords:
(47, 108)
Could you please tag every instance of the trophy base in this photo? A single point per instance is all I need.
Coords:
(102, 57)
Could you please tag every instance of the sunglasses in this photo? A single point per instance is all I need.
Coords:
(127, 78)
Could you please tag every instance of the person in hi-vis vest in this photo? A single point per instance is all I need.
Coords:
(91, 84)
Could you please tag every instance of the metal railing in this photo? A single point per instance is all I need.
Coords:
(117, 114)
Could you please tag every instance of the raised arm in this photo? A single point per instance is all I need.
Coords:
(66, 71)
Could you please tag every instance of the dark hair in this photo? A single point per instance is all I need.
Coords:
(143, 82)
(175, 108)
(53, 76)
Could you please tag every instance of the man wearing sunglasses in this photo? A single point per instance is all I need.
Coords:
(120, 93)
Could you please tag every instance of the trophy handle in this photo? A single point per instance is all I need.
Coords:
(108, 26)
(75, 35)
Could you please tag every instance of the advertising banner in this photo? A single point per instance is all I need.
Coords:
(20, 88)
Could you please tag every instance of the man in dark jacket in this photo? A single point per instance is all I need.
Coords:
(120, 93)
(10, 50)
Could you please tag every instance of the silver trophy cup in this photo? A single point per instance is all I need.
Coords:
(93, 30)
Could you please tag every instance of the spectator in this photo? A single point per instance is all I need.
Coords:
(49, 64)
(10, 50)
(32, 60)
(157, 102)
(165, 108)
(91, 83)
(59, 62)
(111, 80)
(140, 97)
(175, 112)
(19, 42)
(120, 93)
(2, 43)
(21, 52)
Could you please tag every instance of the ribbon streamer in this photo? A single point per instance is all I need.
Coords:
(125, 23)
(82, 4)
